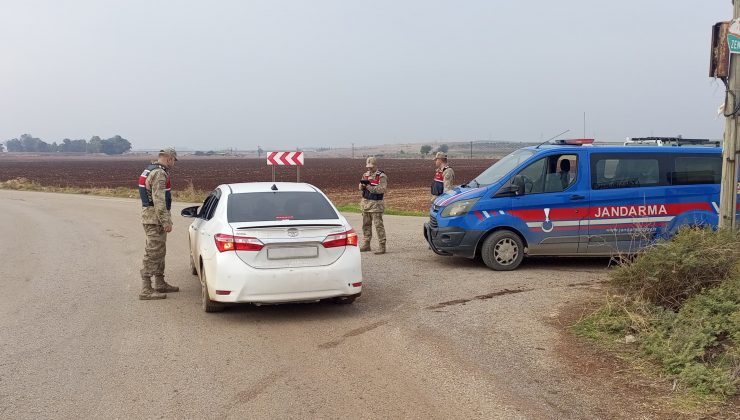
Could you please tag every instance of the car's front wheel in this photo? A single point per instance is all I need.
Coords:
(206, 303)
(503, 250)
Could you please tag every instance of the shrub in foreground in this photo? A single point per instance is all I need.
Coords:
(680, 303)
(669, 272)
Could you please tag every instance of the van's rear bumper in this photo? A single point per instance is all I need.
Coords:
(452, 240)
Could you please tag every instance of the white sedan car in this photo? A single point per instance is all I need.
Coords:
(268, 243)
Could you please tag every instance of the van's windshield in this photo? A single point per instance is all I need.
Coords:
(499, 169)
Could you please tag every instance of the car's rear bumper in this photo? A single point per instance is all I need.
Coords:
(452, 240)
(281, 285)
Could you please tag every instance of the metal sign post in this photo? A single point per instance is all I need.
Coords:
(286, 159)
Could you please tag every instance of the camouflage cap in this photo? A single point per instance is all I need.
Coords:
(371, 162)
(440, 155)
(169, 151)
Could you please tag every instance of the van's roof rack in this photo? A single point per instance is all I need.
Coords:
(670, 141)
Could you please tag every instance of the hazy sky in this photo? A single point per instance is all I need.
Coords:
(283, 74)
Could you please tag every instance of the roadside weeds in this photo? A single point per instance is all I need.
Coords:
(672, 316)
(186, 195)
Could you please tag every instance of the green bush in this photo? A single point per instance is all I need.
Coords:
(669, 272)
(681, 300)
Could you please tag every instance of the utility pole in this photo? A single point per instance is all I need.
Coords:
(471, 149)
(728, 191)
(353, 150)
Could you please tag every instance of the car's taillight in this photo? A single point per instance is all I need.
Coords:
(237, 243)
(348, 238)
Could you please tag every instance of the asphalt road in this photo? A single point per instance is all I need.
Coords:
(431, 337)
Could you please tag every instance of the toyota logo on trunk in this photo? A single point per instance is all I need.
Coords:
(292, 232)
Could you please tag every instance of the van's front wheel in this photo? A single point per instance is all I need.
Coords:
(503, 250)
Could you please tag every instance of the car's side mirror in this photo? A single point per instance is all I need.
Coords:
(189, 212)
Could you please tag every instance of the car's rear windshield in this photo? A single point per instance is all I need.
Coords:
(276, 206)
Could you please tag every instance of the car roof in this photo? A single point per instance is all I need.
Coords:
(254, 187)
(629, 149)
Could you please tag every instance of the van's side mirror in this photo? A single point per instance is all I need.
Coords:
(515, 187)
(518, 183)
(507, 191)
(189, 212)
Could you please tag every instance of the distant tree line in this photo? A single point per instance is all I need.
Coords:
(115, 145)
(426, 149)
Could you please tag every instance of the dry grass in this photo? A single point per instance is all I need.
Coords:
(406, 202)
(411, 200)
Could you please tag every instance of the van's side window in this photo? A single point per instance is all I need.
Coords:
(624, 171)
(692, 170)
(554, 173)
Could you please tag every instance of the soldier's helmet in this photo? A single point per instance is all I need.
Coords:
(371, 162)
(170, 151)
(440, 155)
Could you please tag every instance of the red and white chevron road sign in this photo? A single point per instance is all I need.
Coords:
(285, 158)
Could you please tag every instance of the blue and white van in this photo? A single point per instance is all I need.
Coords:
(572, 200)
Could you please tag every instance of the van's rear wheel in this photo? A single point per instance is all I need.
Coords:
(503, 250)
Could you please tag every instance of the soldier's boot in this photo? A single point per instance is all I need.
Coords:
(147, 293)
(381, 249)
(365, 247)
(162, 286)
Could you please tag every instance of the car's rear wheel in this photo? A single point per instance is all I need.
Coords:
(193, 270)
(503, 250)
(345, 300)
(206, 303)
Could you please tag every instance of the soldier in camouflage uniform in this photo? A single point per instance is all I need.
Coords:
(373, 185)
(155, 191)
(444, 176)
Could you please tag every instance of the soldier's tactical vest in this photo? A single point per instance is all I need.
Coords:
(375, 181)
(146, 196)
(438, 185)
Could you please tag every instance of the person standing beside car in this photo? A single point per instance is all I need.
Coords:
(373, 186)
(444, 176)
(155, 188)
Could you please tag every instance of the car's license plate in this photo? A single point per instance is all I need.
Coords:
(284, 253)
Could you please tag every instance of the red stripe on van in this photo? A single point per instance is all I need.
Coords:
(612, 211)
(563, 213)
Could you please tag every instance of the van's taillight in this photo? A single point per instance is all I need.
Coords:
(348, 238)
(237, 243)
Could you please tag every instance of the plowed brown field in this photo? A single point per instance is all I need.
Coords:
(409, 179)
